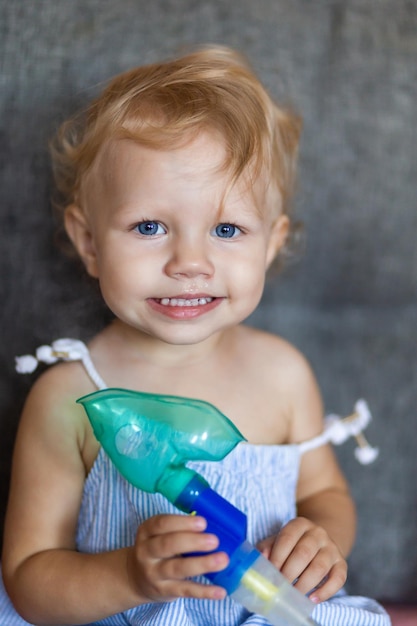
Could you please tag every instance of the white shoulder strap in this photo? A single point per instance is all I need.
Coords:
(64, 350)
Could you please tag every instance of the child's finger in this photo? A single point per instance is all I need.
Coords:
(180, 568)
(171, 544)
(191, 589)
(285, 543)
(265, 547)
(330, 584)
(162, 524)
(300, 559)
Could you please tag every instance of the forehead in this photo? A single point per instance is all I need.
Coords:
(198, 165)
(201, 154)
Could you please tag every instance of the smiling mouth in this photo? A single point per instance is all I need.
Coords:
(185, 302)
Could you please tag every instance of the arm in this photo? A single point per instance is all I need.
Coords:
(328, 504)
(312, 548)
(47, 579)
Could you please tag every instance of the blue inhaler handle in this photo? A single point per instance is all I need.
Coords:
(228, 524)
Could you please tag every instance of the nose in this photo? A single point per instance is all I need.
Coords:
(189, 259)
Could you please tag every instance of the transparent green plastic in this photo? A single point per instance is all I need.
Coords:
(151, 437)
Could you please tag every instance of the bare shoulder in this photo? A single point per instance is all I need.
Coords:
(285, 377)
(51, 417)
(59, 384)
(274, 354)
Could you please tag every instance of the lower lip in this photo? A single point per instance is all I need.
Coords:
(184, 312)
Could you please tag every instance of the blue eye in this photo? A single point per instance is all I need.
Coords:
(150, 228)
(227, 231)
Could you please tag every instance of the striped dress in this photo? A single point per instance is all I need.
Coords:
(260, 480)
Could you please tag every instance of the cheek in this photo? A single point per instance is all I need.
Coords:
(249, 279)
(125, 276)
(115, 278)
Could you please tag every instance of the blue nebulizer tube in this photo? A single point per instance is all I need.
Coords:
(150, 438)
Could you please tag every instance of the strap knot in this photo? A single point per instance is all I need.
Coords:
(338, 430)
(60, 350)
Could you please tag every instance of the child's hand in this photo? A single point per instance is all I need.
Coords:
(157, 568)
(304, 553)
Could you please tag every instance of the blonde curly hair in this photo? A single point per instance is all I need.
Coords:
(162, 104)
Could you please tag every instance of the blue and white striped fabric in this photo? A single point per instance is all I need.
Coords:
(259, 480)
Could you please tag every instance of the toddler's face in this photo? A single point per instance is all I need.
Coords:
(174, 257)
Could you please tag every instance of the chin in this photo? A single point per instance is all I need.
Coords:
(186, 336)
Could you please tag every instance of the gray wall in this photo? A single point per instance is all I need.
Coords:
(349, 304)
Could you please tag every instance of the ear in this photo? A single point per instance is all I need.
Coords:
(79, 231)
(277, 237)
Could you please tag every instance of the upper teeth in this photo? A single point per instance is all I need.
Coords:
(184, 302)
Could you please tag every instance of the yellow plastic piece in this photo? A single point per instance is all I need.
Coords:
(259, 585)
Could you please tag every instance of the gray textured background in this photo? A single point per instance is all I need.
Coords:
(349, 304)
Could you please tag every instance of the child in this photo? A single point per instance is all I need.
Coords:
(176, 190)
